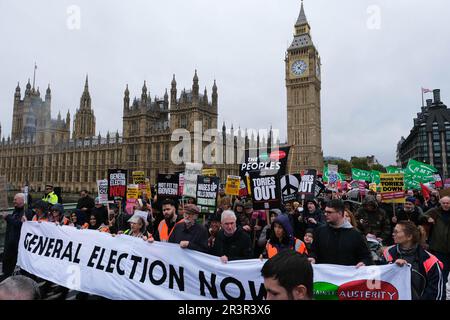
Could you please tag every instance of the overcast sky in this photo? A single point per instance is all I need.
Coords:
(373, 65)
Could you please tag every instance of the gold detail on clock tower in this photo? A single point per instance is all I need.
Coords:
(303, 85)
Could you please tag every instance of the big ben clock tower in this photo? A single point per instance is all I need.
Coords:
(303, 85)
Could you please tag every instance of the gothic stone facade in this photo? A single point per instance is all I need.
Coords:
(40, 149)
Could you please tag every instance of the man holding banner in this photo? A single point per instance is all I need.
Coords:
(190, 234)
(338, 242)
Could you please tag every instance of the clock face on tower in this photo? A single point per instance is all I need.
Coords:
(299, 67)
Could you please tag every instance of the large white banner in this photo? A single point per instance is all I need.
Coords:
(123, 267)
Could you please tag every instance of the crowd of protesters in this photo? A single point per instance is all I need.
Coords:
(329, 229)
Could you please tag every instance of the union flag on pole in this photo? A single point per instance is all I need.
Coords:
(424, 90)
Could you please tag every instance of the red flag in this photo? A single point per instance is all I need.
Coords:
(425, 191)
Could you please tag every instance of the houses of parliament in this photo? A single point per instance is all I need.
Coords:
(43, 150)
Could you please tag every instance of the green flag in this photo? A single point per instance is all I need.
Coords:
(392, 169)
(358, 174)
(411, 182)
(420, 172)
(375, 176)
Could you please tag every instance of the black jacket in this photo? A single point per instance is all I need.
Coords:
(13, 228)
(236, 247)
(85, 202)
(427, 282)
(342, 246)
(414, 216)
(101, 214)
(197, 235)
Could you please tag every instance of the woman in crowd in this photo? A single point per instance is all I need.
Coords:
(350, 217)
(427, 282)
(57, 215)
(138, 228)
(75, 221)
(96, 224)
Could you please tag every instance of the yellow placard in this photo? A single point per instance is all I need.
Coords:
(232, 186)
(373, 187)
(132, 191)
(392, 187)
(138, 177)
(148, 190)
(209, 172)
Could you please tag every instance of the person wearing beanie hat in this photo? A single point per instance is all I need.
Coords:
(189, 234)
(312, 216)
(41, 209)
(372, 220)
(409, 212)
(57, 215)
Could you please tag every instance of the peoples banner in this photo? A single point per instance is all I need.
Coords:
(102, 190)
(263, 170)
(191, 172)
(3, 193)
(358, 174)
(167, 186)
(307, 183)
(392, 188)
(289, 185)
(117, 183)
(129, 268)
(207, 191)
(232, 185)
(259, 160)
(265, 191)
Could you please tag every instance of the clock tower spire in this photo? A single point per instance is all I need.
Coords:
(303, 85)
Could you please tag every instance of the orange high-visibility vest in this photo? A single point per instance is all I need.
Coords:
(163, 230)
(299, 246)
(36, 218)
